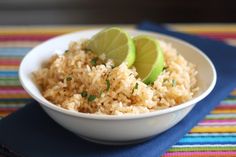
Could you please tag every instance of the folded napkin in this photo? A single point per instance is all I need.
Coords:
(30, 132)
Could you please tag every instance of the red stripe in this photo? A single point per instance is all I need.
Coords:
(228, 107)
(12, 91)
(9, 62)
(203, 153)
(9, 109)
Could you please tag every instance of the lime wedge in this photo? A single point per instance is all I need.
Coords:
(115, 44)
(149, 60)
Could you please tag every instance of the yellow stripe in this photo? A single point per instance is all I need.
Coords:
(193, 28)
(223, 111)
(51, 29)
(214, 129)
(211, 129)
(233, 93)
(198, 28)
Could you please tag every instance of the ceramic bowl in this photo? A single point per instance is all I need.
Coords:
(109, 129)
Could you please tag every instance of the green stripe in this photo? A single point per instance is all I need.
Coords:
(8, 78)
(230, 99)
(227, 101)
(9, 82)
(14, 103)
(190, 149)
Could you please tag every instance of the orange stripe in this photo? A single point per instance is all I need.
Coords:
(219, 111)
(9, 67)
(5, 114)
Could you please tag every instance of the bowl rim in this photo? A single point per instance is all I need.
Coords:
(49, 105)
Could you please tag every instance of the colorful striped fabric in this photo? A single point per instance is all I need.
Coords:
(213, 136)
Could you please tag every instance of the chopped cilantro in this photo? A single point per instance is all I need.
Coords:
(135, 87)
(94, 61)
(69, 78)
(91, 98)
(108, 85)
(165, 68)
(173, 83)
(165, 80)
(100, 94)
(84, 94)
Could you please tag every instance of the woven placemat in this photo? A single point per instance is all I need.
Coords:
(214, 136)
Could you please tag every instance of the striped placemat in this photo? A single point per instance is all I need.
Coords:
(213, 136)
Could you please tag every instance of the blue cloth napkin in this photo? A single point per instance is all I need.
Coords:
(30, 132)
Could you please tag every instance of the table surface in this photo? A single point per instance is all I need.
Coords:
(214, 136)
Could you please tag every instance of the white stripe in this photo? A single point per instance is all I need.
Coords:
(205, 145)
(221, 116)
(228, 102)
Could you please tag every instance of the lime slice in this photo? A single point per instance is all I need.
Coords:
(149, 60)
(115, 44)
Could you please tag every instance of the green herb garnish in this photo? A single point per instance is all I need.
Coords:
(165, 68)
(135, 87)
(69, 78)
(165, 80)
(94, 61)
(100, 94)
(91, 98)
(66, 51)
(108, 85)
(173, 83)
(84, 94)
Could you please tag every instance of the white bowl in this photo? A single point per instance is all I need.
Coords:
(109, 129)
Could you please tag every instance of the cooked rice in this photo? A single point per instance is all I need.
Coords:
(73, 82)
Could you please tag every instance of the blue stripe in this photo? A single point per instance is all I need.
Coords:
(208, 139)
(8, 74)
(14, 51)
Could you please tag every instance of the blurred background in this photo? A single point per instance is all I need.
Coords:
(21, 12)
